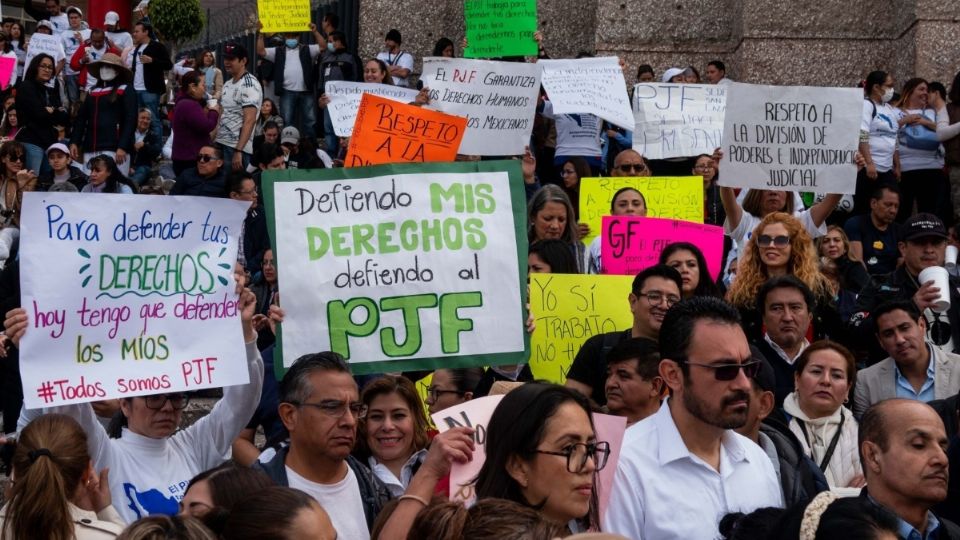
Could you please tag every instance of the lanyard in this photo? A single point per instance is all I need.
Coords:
(833, 442)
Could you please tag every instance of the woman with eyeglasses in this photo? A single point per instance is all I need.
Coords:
(779, 246)
(542, 452)
(56, 493)
(6, 51)
(193, 120)
(39, 111)
(550, 216)
(451, 387)
(105, 177)
(626, 202)
(153, 460)
(825, 373)
(392, 438)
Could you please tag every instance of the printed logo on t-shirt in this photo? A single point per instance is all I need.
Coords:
(150, 502)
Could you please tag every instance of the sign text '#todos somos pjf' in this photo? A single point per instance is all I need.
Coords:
(403, 266)
(128, 295)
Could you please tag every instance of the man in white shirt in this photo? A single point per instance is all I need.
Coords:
(716, 73)
(51, 12)
(120, 38)
(684, 468)
(240, 102)
(320, 407)
(293, 78)
(399, 63)
(72, 37)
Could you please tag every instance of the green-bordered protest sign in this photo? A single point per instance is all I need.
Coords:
(401, 267)
(496, 28)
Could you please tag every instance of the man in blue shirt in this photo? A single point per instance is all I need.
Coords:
(903, 450)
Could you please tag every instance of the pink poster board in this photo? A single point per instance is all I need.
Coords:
(7, 65)
(632, 243)
(610, 429)
(475, 413)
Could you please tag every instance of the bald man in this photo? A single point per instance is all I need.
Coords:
(629, 162)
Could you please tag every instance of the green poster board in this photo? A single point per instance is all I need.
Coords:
(500, 28)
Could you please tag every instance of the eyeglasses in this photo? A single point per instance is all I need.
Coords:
(578, 453)
(246, 191)
(765, 240)
(655, 298)
(703, 167)
(157, 401)
(628, 167)
(729, 372)
(336, 409)
(45, 66)
(433, 392)
(206, 158)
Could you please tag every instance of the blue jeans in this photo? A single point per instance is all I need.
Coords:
(36, 159)
(329, 136)
(291, 103)
(228, 152)
(152, 102)
(140, 174)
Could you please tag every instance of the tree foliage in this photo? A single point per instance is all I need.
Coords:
(177, 20)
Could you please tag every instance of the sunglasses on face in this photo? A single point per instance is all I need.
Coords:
(729, 372)
(205, 158)
(18, 158)
(765, 240)
(628, 167)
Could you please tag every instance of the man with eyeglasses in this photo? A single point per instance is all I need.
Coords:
(254, 238)
(207, 179)
(681, 470)
(922, 244)
(786, 305)
(152, 461)
(654, 291)
(320, 407)
(629, 162)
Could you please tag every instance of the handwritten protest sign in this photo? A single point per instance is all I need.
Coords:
(496, 28)
(123, 295)
(345, 101)
(672, 197)
(610, 429)
(676, 120)
(571, 308)
(402, 267)
(475, 414)
(632, 243)
(499, 100)
(42, 43)
(284, 15)
(390, 132)
(7, 65)
(792, 138)
(588, 85)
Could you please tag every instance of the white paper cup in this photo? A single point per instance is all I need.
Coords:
(950, 261)
(211, 103)
(941, 280)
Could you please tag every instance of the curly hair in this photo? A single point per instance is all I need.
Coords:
(803, 263)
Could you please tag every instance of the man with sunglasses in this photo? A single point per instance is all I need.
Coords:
(684, 468)
(152, 462)
(629, 162)
(207, 179)
(655, 290)
(922, 244)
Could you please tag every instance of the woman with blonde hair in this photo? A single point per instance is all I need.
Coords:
(56, 493)
(780, 246)
(835, 246)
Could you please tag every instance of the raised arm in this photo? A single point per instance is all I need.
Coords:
(820, 211)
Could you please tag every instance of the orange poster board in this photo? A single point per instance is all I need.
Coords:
(390, 132)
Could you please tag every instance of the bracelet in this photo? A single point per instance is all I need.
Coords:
(420, 500)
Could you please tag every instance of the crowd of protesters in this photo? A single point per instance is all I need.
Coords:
(812, 391)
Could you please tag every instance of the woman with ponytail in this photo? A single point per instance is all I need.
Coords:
(56, 494)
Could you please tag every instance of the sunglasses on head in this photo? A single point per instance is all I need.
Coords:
(729, 372)
(765, 240)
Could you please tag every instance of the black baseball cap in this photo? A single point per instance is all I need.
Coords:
(766, 378)
(923, 226)
(235, 50)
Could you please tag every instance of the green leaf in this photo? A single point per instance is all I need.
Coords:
(83, 268)
(86, 281)
(83, 253)
(222, 280)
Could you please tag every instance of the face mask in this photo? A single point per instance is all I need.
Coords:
(888, 95)
(291, 43)
(108, 73)
(330, 46)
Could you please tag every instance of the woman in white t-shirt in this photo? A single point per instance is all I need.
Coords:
(879, 126)
(921, 156)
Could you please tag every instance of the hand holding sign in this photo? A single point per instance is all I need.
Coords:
(283, 15)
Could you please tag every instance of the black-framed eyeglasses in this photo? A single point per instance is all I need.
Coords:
(335, 408)
(729, 372)
(578, 453)
(177, 401)
(205, 158)
(631, 167)
(433, 392)
(655, 298)
(765, 240)
(45, 66)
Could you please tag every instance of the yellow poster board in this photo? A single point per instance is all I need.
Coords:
(569, 309)
(672, 197)
(284, 15)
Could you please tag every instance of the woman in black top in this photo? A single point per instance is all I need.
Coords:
(39, 110)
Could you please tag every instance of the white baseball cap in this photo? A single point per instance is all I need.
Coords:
(111, 18)
(671, 73)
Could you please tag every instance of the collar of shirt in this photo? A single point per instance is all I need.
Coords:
(783, 354)
(908, 532)
(672, 447)
(406, 471)
(931, 373)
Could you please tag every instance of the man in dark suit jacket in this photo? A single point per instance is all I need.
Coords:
(149, 62)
